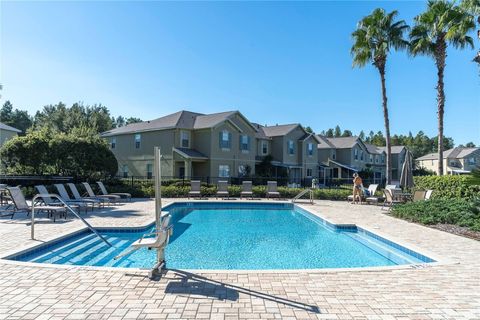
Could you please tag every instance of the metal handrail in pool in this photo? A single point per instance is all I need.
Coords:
(53, 195)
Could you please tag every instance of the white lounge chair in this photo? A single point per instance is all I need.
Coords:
(53, 202)
(110, 197)
(77, 196)
(66, 197)
(428, 194)
(371, 194)
(194, 189)
(222, 189)
(104, 191)
(20, 204)
(246, 189)
(272, 191)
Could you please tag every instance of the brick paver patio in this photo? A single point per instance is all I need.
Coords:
(448, 290)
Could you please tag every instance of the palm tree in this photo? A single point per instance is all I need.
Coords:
(473, 7)
(375, 36)
(442, 24)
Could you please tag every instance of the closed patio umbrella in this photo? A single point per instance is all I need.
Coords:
(406, 179)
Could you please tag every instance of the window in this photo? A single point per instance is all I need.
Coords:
(225, 139)
(244, 143)
(184, 139)
(383, 158)
(125, 171)
(309, 172)
(224, 171)
(361, 155)
(471, 160)
(334, 155)
(355, 154)
(371, 158)
(310, 149)
(113, 143)
(138, 138)
(376, 159)
(264, 147)
(149, 171)
(291, 147)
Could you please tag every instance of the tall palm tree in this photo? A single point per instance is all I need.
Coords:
(375, 36)
(473, 7)
(443, 24)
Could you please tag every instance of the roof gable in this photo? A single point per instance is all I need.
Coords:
(3, 126)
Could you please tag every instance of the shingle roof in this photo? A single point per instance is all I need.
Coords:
(394, 149)
(182, 119)
(324, 143)
(260, 133)
(454, 153)
(191, 153)
(3, 126)
(279, 130)
(343, 142)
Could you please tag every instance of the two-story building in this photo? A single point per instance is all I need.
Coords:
(192, 145)
(455, 161)
(7, 132)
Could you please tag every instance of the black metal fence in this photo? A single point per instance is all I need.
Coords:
(30, 181)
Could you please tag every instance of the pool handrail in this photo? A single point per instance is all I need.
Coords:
(54, 195)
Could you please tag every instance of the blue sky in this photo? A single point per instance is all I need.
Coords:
(275, 62)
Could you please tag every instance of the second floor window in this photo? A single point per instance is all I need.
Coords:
(376, 159)
(113, 143)
(371, 158)
(138, 139)
(291, 147)
(383, 158)
(471, 160)
(355, 154)
(361, 155)
(334, 155)
(184, 139)
(244, 143)
(264, 147)
(225, 139)
(310, 149)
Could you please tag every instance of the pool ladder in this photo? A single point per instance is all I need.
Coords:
(301, 194)
(67, 207)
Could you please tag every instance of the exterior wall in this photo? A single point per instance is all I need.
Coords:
(6, 135)
(448, 164)
(259, 147)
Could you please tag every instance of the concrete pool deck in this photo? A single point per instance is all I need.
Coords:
(448, 290)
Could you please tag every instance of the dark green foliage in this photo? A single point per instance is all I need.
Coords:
(82, 153)
(448, 187)
(19, 119)
(441, 211)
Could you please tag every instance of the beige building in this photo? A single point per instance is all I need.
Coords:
(455, 161)
(339, 158)
(192, 145)
(7, 132)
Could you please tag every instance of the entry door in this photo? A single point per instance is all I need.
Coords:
(181, 172)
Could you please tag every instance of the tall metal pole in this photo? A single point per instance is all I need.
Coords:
(158, 188)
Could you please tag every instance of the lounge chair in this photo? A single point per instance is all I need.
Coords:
(194, 189)
(66, 197)
(77, 196)
(389, 199)
(104, 191)
(110, 197)
(428, 194)
(54, 202)
(246, 189)
(272, 190)
(222, 189)
(371, 194)
(20, 204)
(419, 195)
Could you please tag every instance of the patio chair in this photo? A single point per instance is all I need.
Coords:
(194, 189)
(54, 202)
(110, 197)
(77, 196)
(272, 190)
(104, 191)
(371, 194)
(222, 189)
(428, 194)
(419, 195)
(246, 189)
(66, 197)
(20, 204)
(389, 199)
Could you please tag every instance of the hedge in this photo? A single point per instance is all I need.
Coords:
(462, 212)
(448, 187)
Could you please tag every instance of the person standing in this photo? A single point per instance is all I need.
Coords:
(357, 187)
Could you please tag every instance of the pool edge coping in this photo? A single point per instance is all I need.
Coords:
(4, 258)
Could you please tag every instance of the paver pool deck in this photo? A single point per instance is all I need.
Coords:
(449, 289)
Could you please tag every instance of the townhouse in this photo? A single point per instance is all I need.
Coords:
(455, 161)
(7, 132)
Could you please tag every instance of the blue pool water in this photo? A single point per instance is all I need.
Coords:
(236, 236)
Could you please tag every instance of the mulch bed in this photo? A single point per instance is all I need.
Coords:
(460, 231)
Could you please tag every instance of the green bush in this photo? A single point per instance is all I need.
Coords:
(448, 187)
(460, 212)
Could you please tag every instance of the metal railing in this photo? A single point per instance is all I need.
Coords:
(301, 194)
(56, 196)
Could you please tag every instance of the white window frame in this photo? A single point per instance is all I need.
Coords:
(138, 140)
(113, 143)
(310, 149)
(361, 155)
(334, 155)
(224, 171)
(290, 143)
(225, 133)
(149, 172)
(371, 158)
(243, 143)
(355, 154)
(125, 170)
(471, 160)
(184, 134)
(264, 146)
(311, 173)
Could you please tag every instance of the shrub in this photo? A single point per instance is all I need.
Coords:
(460, 212)
(448, 187)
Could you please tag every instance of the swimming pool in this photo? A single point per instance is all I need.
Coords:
(235, 235)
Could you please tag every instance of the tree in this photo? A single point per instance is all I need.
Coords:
(473, 8)
(131, 120)
(337, 132)
(347, 133)
(441, 25)
(19, 119)
(470, 145)
(308, 129)
(375, 36)
(329, 133)
(362, 135)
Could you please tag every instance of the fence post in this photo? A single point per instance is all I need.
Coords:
(131, 183)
